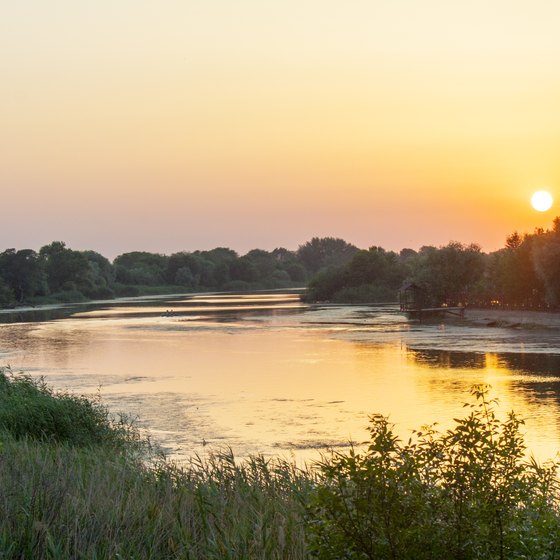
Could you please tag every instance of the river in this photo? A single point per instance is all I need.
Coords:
(264, 373)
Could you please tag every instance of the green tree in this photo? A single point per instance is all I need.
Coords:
(100, 277)
(244, 269)
(449, 274)
(22, 273)
(546, 261)
(265, 262)
(141, 268)
(182, 269)
(65, 269)
(6, 294)
(513, 276)
(324, 252)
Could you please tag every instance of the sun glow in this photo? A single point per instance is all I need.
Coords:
(541, 201)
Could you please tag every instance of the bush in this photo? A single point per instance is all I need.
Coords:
(468, 493)
(29, 409)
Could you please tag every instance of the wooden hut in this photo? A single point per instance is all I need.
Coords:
(415, 302)
(411, 297)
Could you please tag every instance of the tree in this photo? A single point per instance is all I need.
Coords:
(65, 268)
(546, 262)
(449, 274)
(244, 269)
(141, 267)
(324, 252)
(264, 262)
(100, 277)
(22, 273)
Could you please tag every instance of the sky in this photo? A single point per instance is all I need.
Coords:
(181, 125)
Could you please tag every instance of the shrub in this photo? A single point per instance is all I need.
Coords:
(29, 409)
(468, 493)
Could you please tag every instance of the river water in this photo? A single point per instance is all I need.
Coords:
(264, 373)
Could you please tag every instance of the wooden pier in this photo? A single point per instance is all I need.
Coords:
(421, 313)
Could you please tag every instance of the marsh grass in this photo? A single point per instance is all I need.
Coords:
(59, 501)
(77, 483)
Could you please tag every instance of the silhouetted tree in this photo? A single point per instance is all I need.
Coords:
(141, 267)
(22, 273)
(448, 274)
(324, 252)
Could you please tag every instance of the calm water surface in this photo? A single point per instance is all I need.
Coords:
(264, 373)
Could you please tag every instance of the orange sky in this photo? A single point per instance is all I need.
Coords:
(171, 125)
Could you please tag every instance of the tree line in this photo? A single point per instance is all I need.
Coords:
(525, 273)
(58, 273)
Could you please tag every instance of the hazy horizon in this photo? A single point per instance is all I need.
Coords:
(179, 126)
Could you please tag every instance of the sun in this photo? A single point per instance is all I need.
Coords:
(541, 201)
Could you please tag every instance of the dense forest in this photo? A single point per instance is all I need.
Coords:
(524, 273)
(57, 273)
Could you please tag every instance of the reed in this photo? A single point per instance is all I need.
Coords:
(60, 501)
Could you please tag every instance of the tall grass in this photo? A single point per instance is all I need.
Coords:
(76, 483)
(59, 501)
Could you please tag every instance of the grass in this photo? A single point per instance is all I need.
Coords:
(78, 483)
(64, 502)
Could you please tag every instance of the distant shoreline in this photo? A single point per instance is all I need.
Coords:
(517, 318)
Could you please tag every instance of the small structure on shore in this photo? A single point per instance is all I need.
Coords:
(414, 301)
(411, 297)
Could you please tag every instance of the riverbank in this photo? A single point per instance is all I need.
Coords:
(517, 318)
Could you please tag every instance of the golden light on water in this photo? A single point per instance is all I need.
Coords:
(541, 201)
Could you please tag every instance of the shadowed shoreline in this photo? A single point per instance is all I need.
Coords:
(512, 318)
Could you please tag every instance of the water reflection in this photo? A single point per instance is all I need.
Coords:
(447, 359)
(265, 373)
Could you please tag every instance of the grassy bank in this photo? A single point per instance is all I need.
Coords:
(76, 482)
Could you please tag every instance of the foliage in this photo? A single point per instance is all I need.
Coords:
(468, 493)
(22, 273)
(6, 294)
(374, 275)
(65, 268)
(67, 502)
(320, 253)
(546, 262)
(141, 267)
(525, 273)
(448, 274)
(29, 409)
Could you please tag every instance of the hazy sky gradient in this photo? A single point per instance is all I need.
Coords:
(171, 125)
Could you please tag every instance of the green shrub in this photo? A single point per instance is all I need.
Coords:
(30, 409)
(468, 493)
